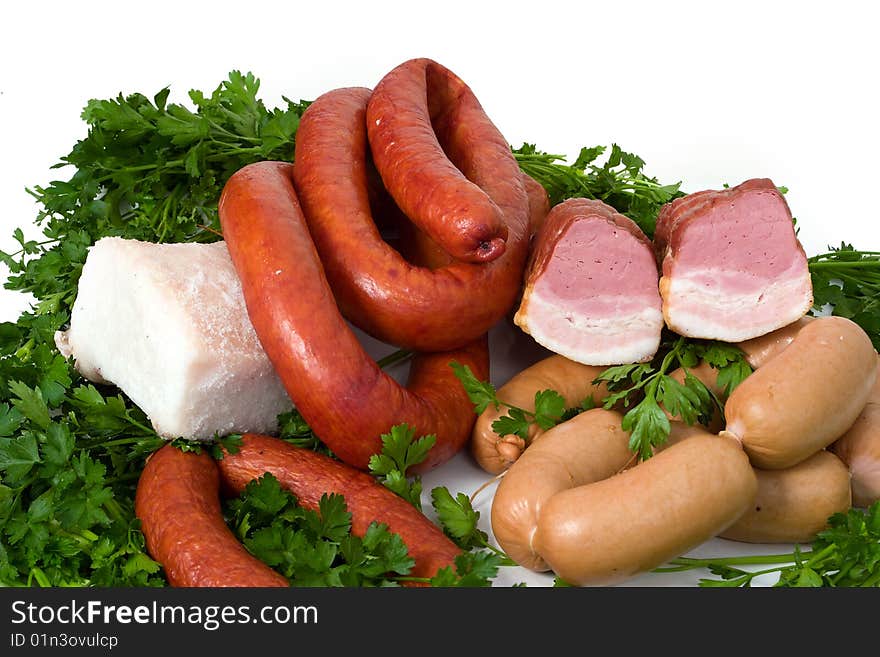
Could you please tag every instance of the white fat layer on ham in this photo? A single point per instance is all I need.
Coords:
(631, 337)
(167, 324)
(596, 302)
(698, 308)
(738, 271)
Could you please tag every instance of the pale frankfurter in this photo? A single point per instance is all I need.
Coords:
(495, 453)
(761, 349)
(587, 448)
(603, 532)
(794, 504)
(859, 448)
(805, 397)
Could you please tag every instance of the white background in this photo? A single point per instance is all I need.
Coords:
(706, 93)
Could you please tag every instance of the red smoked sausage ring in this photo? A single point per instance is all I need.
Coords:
(376, 288)
(347, 400)
(423, 122)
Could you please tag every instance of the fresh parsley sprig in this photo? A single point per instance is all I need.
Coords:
(550, 408)
(71, 452)
(620, 181)
(847, 282)
(150, 170)
(649, 389)
(479, 562)
(400, 451)
(315, 548)
(846, 554)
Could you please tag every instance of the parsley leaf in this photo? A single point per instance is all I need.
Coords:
(549, 408)
(472, 569)
(620, 181)
(458, 518)
(847, 282)
(845, 554)
(400, 451)
(481, 393)
(516, 422)
(644, 387)
(549, 405)
(315, 547)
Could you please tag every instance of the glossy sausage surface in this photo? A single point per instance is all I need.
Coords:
(444, 189)
(607, 531)
(761, 349)
(178, 504)
(587, 448)
(347, 400)
(806, 397)
(794, 504)
(859, 448)
(440, 305)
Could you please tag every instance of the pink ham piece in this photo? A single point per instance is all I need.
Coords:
(591, 287)
(732, 266)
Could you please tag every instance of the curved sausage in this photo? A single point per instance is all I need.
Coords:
(760, 350)
(794, 504)
(178, 504)
(539, 203)
(604, 532)
(495, 453)
(347, 400)
(309, 475)
(859, 448)
(806, 397)
(589, 447)
(415, 108)
(376, 288)
(418, 248)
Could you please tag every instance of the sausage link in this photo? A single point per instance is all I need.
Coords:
(859, 448)
(539, 203)
(760, 350)
(806, 397)
(340, 391)
(574, 381)
(423, 122)
(794, 504)
(587, 448)
(309, 475)
(416, 247)
(376, 288)
(604, 532)
(178, 504)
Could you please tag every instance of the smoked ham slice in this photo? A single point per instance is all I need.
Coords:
(732, 267)
(591, 287)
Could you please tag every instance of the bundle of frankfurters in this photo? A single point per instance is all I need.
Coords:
(405, 214)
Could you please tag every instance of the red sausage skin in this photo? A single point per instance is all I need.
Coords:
(178, 504)
(416, 107)
(340, 391)
(309, 475)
